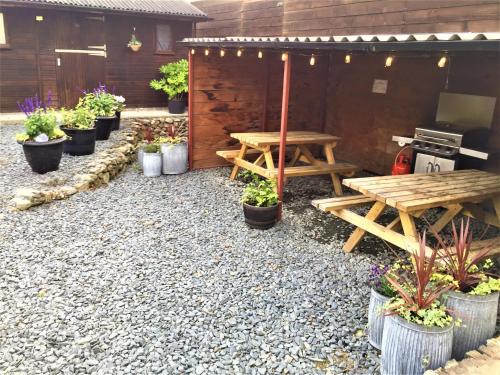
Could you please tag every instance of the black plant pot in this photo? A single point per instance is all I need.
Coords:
(176, 106)
(103, 126)
(43, 157)
(260, 217)
(80, 141)
(116, 121)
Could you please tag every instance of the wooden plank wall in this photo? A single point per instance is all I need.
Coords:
(28, 67)
(341, 17)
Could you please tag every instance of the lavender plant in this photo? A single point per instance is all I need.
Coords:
(41, 123)
(377, 280)
(101, 102)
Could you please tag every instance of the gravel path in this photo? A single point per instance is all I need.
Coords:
(162, 276)
(15, 172)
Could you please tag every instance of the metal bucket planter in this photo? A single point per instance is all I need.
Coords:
(376, 318)
(140, 157)
(175, 158)
(151, 164)
(478, 315)
(411, 349)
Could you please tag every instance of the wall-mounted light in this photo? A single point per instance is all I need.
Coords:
(347, 59)
(193, 51)
(39, 18)
(284, 56)
(312, 60)
(442, 62)
(239, 52)
(207, 51)
(222, 52)
(260, 54)
(388, 61)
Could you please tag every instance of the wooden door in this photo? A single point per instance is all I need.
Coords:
(78, 71)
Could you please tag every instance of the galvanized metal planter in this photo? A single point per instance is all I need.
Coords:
(411, 349)
(376, 318)
(140, 157)
(478, 315)
(151, 164)
(175, 158)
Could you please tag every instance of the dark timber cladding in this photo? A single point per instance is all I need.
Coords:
(30, 65)
(347, 17)
(241, 94)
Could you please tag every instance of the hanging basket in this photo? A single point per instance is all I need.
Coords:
(135, 47)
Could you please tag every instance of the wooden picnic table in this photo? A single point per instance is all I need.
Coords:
(262, 144)
(412, 195)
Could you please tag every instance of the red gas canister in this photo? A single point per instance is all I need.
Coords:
(402, 164)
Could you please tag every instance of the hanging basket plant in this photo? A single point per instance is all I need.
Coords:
(134, 44)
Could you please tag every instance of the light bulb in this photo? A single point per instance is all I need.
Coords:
(312, 61)
(222, 53)
(207, 51)
(284, 56)
(347, 59)
(239, 53)
(442, 62)
(259, 55)
(192, 51)
(388, 61)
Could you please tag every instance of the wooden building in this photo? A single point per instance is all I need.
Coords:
(39, 41)
(241, 94)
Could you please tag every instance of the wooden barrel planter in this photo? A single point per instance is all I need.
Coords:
(478, 315)
(376, 318)
(411, 349)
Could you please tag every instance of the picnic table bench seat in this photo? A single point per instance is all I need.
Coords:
(338, 203)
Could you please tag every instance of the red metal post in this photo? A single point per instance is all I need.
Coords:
(190, 107)
(283, 129)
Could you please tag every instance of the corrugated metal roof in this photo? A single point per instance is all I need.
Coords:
(161, 7)
(396, 41)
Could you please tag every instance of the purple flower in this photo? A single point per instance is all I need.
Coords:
(32, 104)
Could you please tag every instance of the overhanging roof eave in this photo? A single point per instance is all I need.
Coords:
(369, 47)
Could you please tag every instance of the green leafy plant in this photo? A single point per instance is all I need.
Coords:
(79, 118)
(38, 123)
(488, 286)
(466, 269)
(261, 194)
(102, 104)
(172, 137)
(417, 299)
(247, 176)
(151, 148)
(134, 41)
(175, 79)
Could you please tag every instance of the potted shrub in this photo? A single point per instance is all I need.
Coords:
(151, 161)
(260, 204)
(174, 152)
(418, 331)
(147, 139)
(78, 124)
(134, 44)
(381, 292)
(42, 140)
(474, 295)
(104, 106)
(174, 83)
(120, 106)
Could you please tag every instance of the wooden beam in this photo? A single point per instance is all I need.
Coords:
(283, 129)
(190, 107)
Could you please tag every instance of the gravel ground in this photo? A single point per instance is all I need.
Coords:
(162, 276)
(15, 172)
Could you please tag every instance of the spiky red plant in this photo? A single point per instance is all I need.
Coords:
(457, 258)
(148, 135)
(172, 131)
(418, 294)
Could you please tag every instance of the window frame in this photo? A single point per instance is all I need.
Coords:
(5, 45)
(166, 52)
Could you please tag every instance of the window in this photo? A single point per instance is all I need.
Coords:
(164, 39)
(3, 33)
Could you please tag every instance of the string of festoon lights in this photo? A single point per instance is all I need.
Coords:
(389, 60)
